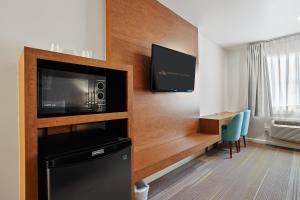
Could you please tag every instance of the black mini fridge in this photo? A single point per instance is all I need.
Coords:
(85, 167)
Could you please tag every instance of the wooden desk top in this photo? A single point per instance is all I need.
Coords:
(219, 116)
(212, 124)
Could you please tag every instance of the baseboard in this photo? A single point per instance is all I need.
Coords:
(275, 143)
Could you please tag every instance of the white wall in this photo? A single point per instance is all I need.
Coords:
(213, 76)
(74, 24)
(237, 91)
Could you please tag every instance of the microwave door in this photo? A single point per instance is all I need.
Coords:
(66, 92)
(78, 97)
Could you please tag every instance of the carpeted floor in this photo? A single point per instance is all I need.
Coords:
(258, 172)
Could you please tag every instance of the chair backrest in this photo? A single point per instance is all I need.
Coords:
(246, 122)
(234, 128)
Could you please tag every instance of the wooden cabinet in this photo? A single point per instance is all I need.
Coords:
(30, 123)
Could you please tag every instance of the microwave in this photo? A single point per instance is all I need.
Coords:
(62, 93)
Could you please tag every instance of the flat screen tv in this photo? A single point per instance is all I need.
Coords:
(171, 71)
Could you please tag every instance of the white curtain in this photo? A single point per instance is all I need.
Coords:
(274, 77)
(283, 61)
(259, 93)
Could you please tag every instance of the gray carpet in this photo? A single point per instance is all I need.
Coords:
(258, 172)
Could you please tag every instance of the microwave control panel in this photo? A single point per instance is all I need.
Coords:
(100, 95)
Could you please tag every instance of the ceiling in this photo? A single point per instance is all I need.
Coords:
(234, 22)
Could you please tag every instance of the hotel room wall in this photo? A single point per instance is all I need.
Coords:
(212, 66)
(236, 78)
(74, 24)
(213, 76)
(38, 24)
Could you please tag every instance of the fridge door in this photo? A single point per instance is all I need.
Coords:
(103, 178)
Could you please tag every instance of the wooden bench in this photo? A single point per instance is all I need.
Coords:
(151, 160)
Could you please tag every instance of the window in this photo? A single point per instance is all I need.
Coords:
(284, 77)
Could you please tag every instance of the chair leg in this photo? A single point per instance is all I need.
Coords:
(230, 149)
(215, 145)
(206, 149)
(237, 146)
(245, 141)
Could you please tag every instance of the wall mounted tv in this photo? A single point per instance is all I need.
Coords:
(171, 71)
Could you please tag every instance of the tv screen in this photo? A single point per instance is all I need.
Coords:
(172, 70)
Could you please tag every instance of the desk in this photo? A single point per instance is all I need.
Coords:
(212, 124)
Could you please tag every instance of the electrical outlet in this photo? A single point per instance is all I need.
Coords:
(267, 131)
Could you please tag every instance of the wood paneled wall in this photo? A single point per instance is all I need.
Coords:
(132, 26)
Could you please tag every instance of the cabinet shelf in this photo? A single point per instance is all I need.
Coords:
(79, 119)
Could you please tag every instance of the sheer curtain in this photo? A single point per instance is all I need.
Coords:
(274, 77)
(283, 61)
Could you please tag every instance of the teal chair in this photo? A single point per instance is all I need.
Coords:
(232, 132)
(245, 126)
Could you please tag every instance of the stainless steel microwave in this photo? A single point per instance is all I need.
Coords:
(70, 93)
